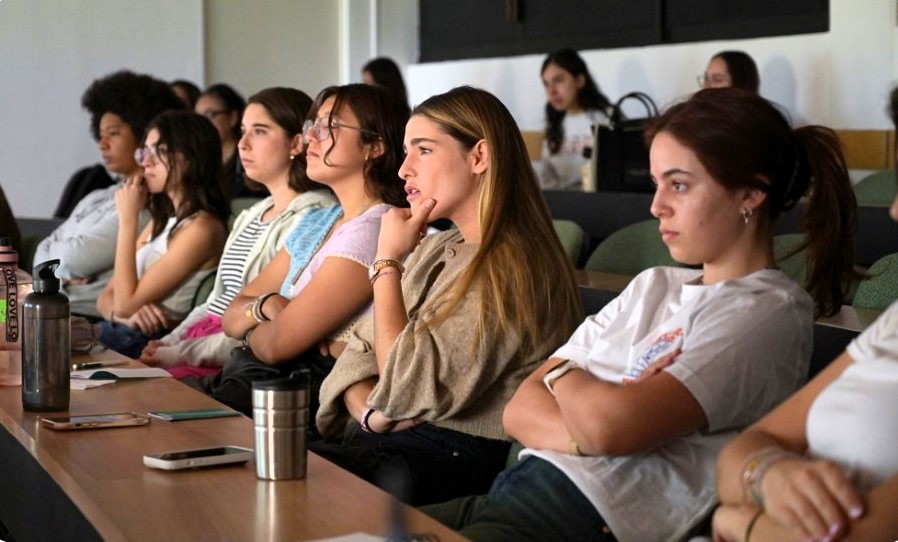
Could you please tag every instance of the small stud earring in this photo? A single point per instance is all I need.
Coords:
(292, 156)
(747, 213)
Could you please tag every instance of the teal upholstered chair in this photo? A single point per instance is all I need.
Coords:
(631, 249)
(877, 189)
(571, 236)
(238, 205)
(880, 287)
(792, 263)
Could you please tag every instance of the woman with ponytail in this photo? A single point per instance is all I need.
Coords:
(622, 425)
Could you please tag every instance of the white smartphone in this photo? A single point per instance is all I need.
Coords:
(96, 421)
(203, 457)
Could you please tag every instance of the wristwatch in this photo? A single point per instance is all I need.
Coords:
(382, 264)
(557, 372)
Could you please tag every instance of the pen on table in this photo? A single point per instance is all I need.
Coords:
(95, 364)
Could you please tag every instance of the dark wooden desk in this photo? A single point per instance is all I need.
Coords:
(92, 484)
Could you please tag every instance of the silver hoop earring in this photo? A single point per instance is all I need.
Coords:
(747, 213)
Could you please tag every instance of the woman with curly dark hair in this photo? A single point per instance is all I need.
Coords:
(120, 105)
(159, 268)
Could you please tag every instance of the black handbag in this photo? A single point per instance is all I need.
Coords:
(623, 158)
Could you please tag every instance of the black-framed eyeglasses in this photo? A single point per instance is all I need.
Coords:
(321, 129)
(152, 151)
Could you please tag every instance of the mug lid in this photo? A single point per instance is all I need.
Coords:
(298, 379)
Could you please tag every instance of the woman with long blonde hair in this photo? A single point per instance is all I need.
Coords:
(460, 319)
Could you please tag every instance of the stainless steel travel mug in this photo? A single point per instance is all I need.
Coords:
(281, 421)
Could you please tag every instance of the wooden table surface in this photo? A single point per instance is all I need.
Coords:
(102, 473)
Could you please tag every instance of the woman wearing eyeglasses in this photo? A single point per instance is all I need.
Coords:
(223, 106)
(297, 312)
(158, 269)
(273, 155)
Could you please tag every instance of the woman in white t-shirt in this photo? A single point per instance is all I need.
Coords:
(623, 423)
(574, 105)
(823, 465)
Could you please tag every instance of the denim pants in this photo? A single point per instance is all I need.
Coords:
(125, 340)
(531, 501)
(421, 465)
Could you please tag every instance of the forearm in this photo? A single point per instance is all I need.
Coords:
(104, 304)
(390, 316)
(124, 277)
(533, 418)
(731, 463)
(356, 397)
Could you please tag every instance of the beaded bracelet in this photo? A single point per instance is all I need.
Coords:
(755, 468)
(364, 421)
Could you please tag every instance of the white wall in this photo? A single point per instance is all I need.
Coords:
(258, 44)
(840, 78)
(50, 51)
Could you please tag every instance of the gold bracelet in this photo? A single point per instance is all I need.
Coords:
(751, 525)
(572, 448)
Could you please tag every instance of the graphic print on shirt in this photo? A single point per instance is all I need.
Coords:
(659, 354)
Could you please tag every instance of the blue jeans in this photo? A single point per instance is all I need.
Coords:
(422, 465)
(125, 340)
(532, 500)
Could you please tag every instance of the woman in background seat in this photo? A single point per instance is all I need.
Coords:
(273, 155)
(574, 106)
(731, 69)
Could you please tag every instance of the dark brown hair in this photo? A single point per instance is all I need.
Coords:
(288, 108)
(742, 69)
(202, 181)
(382, 116)
(744, 141)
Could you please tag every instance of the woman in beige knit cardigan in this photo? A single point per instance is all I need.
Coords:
(460, 318)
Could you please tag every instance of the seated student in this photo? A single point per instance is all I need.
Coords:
(623, 423)
(223, 105)
(186, 91)
(822, 466)
(384, 72)
(158, 269)
(575, 104)
(459, 325)
(731, 69)
(273, 155)
(296, 312)
(120, 105)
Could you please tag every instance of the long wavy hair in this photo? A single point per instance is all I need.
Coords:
(589, 97)
(199, 175)
(524, 279)
(744, 141)
(382, 116)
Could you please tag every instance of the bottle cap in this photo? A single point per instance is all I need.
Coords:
(7, 254)
(45, 281)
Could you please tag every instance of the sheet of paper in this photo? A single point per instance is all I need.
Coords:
(78, 384)
(106, 373)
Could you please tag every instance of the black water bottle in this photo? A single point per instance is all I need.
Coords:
(46, 343)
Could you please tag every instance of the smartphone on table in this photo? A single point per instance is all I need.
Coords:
(95, 421)
(202, 457)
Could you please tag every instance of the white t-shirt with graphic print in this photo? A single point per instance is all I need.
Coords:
(744, 346)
